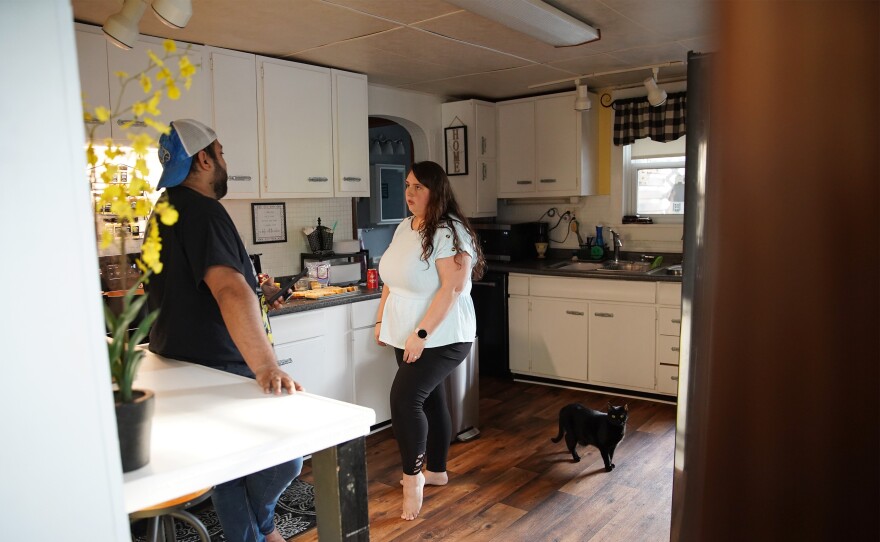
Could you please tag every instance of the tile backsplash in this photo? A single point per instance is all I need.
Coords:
(279, 259)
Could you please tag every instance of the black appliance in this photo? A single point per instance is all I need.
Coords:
(509, 242)
(490, 305)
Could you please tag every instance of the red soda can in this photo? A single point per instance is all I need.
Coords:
(372, 279)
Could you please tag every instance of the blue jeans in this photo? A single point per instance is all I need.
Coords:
(246, 506)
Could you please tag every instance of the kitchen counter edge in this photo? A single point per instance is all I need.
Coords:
(302, 305)
(545, 267)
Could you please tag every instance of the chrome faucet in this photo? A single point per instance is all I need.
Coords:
(617, 244)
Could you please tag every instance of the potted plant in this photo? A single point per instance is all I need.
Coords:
(124, 195)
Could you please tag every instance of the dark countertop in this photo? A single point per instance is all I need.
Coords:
(545, 267)
(300, 305)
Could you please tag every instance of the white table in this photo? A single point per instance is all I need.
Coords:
(210, 427)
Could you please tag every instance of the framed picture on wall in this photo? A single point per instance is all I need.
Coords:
(270, 222)
(456, 150)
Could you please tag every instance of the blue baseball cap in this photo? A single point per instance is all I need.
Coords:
(187, 137)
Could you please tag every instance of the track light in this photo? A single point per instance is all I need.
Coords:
(656, 95)
(582, 102)
(534, 18)
(122, 28)
(174, 13)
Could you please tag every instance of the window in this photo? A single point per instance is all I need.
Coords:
(655, 184)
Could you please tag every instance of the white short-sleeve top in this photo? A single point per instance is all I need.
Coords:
(413, 283)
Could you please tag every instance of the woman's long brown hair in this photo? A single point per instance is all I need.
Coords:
(442, 210)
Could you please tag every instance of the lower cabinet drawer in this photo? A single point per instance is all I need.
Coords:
(667, 379)
(667, 350)
(669, 321)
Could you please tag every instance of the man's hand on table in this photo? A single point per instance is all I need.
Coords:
(273, 380)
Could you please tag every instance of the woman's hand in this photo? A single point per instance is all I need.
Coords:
(376, 331)
(273, 380)
(413, 348)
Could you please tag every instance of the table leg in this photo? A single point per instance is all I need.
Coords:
(340, 476)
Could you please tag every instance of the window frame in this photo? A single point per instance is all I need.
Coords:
(630, 185)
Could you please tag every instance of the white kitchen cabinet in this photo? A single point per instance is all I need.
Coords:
(546, 148)
(296, 129)
(91, 51)
(192, 104)
(309, 347)
(374, 366)
(558, 330)
(621, 345)
(234, 93)
(351, 134)
(476, 191)
(668, 336)
(518, 325)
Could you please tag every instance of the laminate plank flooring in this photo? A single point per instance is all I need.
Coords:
(514, 484)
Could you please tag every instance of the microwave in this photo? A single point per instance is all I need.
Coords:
(508, 242)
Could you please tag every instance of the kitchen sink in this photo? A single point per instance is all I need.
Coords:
(577, 266)
(619, 267)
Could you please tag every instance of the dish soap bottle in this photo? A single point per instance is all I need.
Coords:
(599, 240)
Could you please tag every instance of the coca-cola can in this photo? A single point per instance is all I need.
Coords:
(372, 279)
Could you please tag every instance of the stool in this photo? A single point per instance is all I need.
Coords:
(165, 513)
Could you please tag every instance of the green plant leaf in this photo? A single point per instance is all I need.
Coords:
(109, 318)
(143, 329)
(130, 311)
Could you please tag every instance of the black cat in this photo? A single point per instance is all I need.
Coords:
(584, 426)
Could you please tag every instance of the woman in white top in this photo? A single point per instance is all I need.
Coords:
(427, 315)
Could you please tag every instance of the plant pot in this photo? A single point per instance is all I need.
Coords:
(134, 423)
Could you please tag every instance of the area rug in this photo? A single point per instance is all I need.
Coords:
(294, 514)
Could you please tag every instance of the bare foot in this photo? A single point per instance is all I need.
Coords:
(434, 478)
(275, 536)
(412, 495)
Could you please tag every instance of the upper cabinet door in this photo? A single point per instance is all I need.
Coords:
(234, 89)
(351, 129)
(295, 116)
(192, 104)
(516, 147)
(556, 145)
(91, 51)
(485, 131)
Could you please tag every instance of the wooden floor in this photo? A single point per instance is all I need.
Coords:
(513, 484)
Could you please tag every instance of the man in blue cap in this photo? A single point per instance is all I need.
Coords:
(212, 313)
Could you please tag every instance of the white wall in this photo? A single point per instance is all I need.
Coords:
(419, 113)
(62, 477)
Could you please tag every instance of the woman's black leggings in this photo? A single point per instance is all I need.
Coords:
(419, 414)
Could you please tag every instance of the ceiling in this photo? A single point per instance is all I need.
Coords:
(434, 47)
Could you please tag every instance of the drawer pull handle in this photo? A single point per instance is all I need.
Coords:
(240, 178)
(574, 313)
(483, 144)
(352, 179)
(675, 378)
(285, 361)
(131, 123)
(523, 182)
(547, 180)
(678, 321)
(317, 179)
(604, 314)
(484, 171)
(674, 349)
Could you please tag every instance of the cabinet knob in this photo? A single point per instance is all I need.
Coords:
(675, 378)
(574, 313)
(678, 321)
(604, 314)
(546, 181)
(523, 182)
(483, 144)
(484, 171)
(674, 349)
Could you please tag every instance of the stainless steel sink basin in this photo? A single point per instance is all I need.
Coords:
(577, 266)
(619, 267)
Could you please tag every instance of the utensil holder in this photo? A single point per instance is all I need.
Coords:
(321, 240)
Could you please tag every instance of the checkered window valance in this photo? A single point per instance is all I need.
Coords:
(635, 118)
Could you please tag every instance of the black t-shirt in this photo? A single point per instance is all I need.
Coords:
(190, 326)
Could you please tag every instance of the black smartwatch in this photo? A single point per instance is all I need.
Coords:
(422, 333)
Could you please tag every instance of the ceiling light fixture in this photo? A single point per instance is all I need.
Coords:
(174, 13)
(122, 28)
(534, 18)
(582, 102)
(655, 67)
(656, 95)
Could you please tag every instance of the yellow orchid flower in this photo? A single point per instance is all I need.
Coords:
(187, 69)
(158, 126)
(138, 108)
(141, 143)
(142, 208)
(146, 83)
(102, 113)
(188, 83)
(152, 105)
(140, 166)
(91, 155)
(169, 216)
(164, 75)
(106, 238)
(121, 74)
(158, 61)
(173, 91)
(169, 46)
